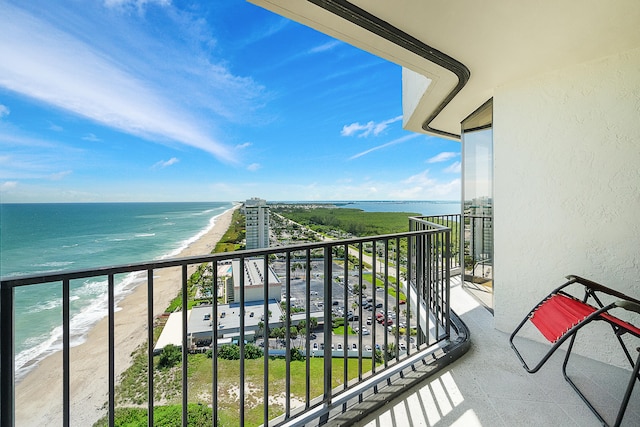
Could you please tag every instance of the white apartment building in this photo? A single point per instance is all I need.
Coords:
(257, 223)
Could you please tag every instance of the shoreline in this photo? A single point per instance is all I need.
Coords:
(38, 394)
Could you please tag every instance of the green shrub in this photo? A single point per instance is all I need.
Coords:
(232, 352)
(171, 355)
(229, 352)
(197, 416)
(296, 355)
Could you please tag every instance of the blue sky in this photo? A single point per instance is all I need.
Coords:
(158, 100)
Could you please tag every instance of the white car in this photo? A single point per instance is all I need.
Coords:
(403, 347)
(367, 348)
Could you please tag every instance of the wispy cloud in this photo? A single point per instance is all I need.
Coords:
(443, 157)
(455, 167)
(388, 144)
(253, 167)
(325, 47)
(423, 185)
(272, 27)
(134, 4)
(364, 130)
(243, 145)
(91, 137)
(56, 128)
(8, 185)
(4, 111)
(165, 163)
(59, 175)
(52, 65)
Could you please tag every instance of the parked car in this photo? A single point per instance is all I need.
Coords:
(403, 346)
(315, 345)
(367, 348)
(354, 346)
(339, 346)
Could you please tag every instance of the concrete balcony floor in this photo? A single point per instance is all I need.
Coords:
(489, 387)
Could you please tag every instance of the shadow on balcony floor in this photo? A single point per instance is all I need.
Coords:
(489, 387)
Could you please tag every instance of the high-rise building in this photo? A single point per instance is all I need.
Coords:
(257, 223)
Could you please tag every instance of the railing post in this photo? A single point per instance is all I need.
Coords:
(265, 366)
(287, 356)
(7, 396)
(328, 298)
(112, 349)
(185, 350)
(447, 281)
(150, 367)
(66, 345)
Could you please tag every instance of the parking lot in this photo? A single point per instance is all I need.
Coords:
(367, 318)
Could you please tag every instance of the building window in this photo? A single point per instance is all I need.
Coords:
(477, 197)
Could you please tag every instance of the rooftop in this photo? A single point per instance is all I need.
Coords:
(254, 273)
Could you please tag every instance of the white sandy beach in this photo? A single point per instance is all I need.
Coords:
(39, 394)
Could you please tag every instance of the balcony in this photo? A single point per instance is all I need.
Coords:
(407, 358)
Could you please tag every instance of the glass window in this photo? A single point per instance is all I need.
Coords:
(477, 196)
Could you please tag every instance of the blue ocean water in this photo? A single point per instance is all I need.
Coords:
(39, 238)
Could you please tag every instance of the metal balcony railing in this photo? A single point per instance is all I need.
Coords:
(370, 321)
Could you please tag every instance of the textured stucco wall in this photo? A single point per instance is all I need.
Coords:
(567, 184)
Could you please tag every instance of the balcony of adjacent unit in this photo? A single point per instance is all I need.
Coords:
(367, 331)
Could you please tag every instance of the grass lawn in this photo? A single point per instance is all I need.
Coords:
(167, 385)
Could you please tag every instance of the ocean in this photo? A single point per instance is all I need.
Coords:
(47, 238)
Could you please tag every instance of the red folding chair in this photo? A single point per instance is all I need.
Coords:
(561, 315)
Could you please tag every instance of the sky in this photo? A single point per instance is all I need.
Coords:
(160, 100)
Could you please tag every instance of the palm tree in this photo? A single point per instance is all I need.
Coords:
(390, 352)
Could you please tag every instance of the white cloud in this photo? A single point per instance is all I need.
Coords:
(51, 65)
(4, 111)
(136, 4)
(243, 145)
(388, 144)
(455, 167)
(56, 128)
(424, 187)
(442, 157)
(59, 175)
(364, 130)
(8, 185)
(325, 47)
(164, 164)
(90, 137)
(254, 167)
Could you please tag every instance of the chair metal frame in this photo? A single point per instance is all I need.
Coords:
(592, 292)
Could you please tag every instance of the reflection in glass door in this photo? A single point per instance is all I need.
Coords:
(477, 210)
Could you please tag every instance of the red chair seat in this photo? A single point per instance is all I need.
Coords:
(559, 313)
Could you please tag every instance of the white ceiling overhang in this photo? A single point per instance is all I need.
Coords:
(468, 48)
